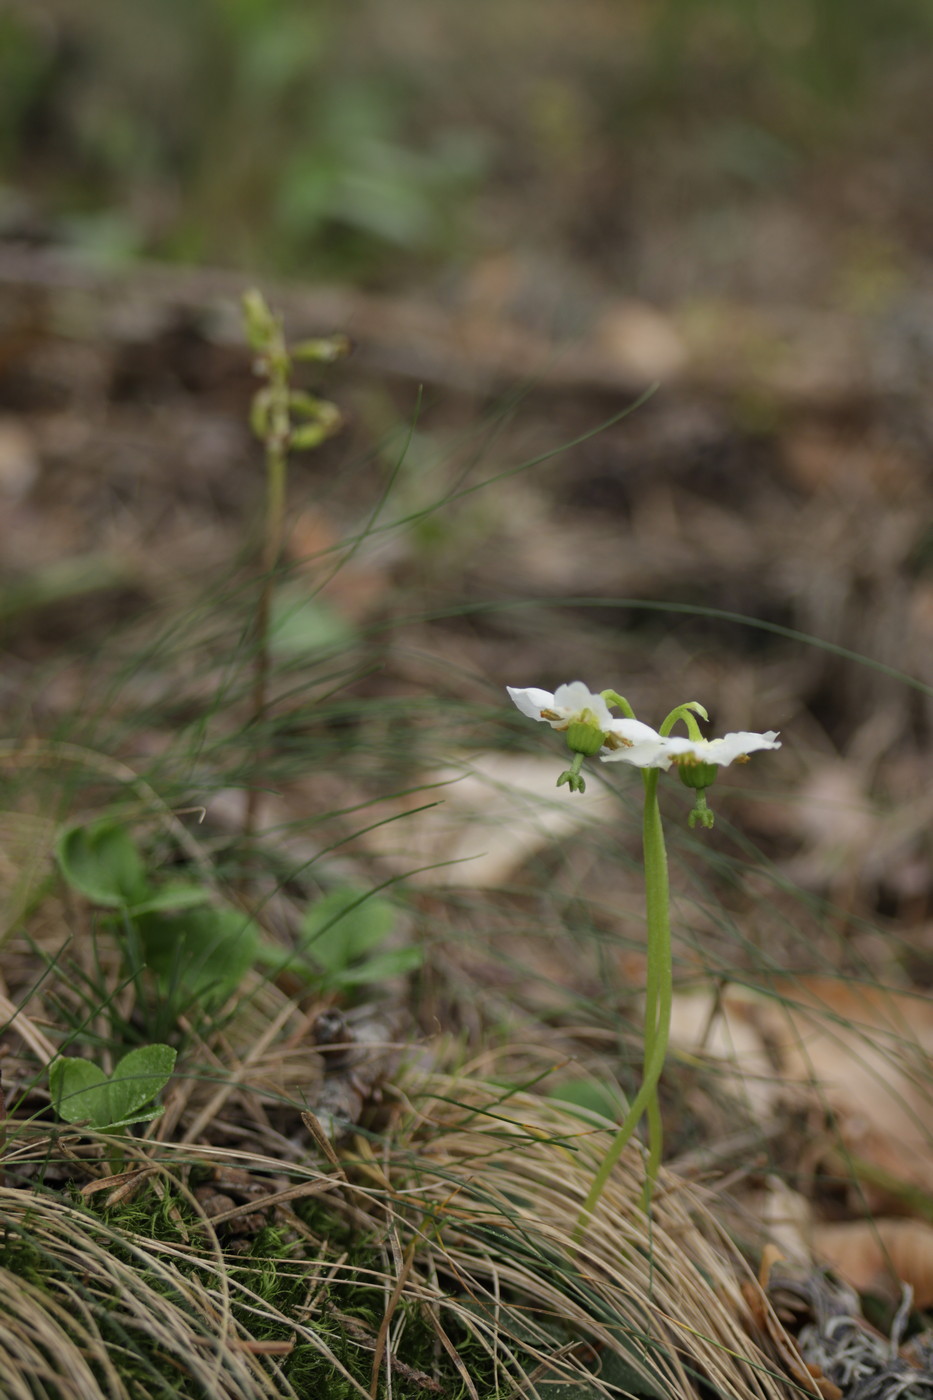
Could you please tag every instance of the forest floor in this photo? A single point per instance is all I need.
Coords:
(367, 1173)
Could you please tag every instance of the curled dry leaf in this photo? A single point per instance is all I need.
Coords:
(775, 1338)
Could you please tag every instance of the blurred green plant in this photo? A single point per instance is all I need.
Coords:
(285, 420)
(197, 951)
(342, 933)
(290, 134)
(230, 130)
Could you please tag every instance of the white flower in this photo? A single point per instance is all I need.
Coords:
(732, 748)
(570, 704)
(637, 744)
(661, 753)
(577, 704)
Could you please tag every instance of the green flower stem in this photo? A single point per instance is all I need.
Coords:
(658, 999)
(685, 713)
(612, 697)
(277, 436)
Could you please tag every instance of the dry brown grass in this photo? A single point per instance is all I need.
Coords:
(470, 1202)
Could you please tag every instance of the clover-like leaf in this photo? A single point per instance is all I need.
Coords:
(343, 926)
(101, 862)
(82, 1092)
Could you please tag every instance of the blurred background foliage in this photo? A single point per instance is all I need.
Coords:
(391, 142)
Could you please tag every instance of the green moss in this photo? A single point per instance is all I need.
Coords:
(280, 1268)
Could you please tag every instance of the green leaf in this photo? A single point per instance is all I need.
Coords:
(301, 626)
(206, 952)
(138, 1077)
(178, 896)
(102, 863)
(378, 969)
(603, 1099)
(81, 1092)
(343, 926)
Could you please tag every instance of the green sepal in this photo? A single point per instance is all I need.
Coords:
(308, 436)
(260, 412)
(261, 325)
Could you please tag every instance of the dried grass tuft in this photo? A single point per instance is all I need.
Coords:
(470, 1204)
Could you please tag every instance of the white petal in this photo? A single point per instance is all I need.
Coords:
(572, 699)
(649, 753)
(531, 701)
(722, 751)
(732, 746)
(634, 731)
(700, 748)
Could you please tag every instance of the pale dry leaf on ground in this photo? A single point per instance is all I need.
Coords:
(878, 1256)
(640, 341)
(837, 824)
(26, 846)
(495, 811)
(788, 1220)
(19, 459)
(861, 1054)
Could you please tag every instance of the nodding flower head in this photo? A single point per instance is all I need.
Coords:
(689, 755)
(583, 716)
(590, 728)
(698, 761)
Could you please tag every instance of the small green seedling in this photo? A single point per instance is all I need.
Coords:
(101, 861)
(202, 953)
(340, 935)
(194, 948)
(82, 1093)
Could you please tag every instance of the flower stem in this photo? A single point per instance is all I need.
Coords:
(273, 540)
(658, 998)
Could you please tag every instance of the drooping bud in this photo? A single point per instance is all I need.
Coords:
(699, 776)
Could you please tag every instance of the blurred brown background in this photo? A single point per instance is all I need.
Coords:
(525, 213)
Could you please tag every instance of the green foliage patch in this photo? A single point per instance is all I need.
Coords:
(82, 1092)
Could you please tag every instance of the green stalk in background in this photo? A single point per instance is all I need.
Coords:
(272, 418)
